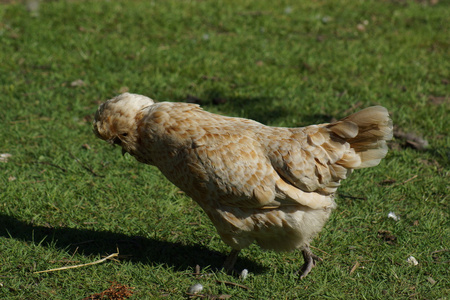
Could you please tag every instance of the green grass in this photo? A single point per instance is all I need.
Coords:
(290, 64)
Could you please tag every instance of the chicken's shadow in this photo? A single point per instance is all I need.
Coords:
(133, 248)
(266, 110)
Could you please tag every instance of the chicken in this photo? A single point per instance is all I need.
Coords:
(270, 185)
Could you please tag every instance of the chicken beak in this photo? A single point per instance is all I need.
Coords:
(123, 152)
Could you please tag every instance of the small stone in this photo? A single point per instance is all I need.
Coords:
(326, 19)
(361, 27)
(412, 261)
(4, 157)
(196, 288)
(77, 83)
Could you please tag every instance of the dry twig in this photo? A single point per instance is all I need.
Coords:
(351, 197)
(79, 266)
(355, 266)
(232, 283)
(84, 166)
(407, 180)
(208, 296)
(53, 165)
(315, 248)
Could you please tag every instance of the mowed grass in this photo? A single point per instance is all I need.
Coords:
(67, 198)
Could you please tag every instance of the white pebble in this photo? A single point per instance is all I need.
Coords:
(77, 82)
(4, 157)
(196, 288)
(412, 261)
(392, 215)
(244, 274)
(326, 19)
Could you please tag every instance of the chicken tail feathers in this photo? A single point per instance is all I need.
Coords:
(367, 132)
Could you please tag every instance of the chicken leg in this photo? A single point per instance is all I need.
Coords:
(310, 261)
(228, 265)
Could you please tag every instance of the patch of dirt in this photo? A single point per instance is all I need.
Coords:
(424, 2)
(114, 292)
(438, 100)
(387, 236)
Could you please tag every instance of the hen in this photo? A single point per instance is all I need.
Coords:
(270, 185)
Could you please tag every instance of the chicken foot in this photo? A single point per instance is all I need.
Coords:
(228, 265)
(310, 262)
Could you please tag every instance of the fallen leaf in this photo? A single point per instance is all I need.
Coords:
(114, 292)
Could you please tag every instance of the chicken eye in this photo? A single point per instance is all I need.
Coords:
(117, 141)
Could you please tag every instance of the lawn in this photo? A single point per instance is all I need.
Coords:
(67, 198)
